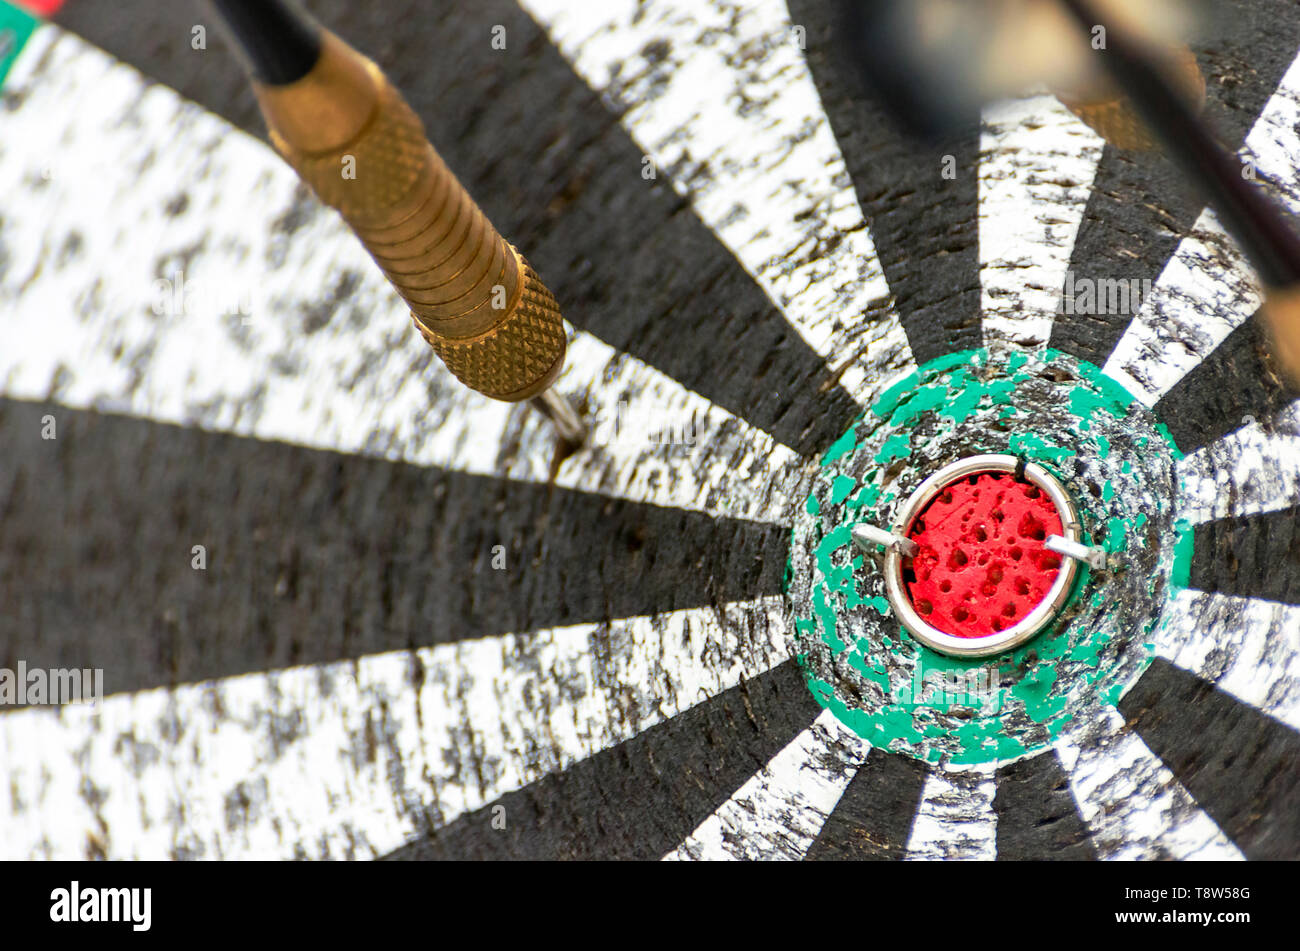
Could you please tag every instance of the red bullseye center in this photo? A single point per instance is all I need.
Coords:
(981, 564)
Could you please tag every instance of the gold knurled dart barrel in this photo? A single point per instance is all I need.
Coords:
(1111, 115)
(1281, 314)
(473, 297)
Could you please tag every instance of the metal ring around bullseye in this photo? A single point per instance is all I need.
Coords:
(1043, 612)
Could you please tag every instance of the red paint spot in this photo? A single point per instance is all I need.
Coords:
(44, 8)
(982, 565)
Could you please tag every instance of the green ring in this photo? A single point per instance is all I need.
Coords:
(953, 390)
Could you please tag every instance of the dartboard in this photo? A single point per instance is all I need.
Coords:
(345, 608)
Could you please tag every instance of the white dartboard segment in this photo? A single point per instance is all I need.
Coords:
(955, 818)
(719, 95)
(1131, 802)
(265, 318)
(1248, 472)
(779, 812)
(1247, 647)
(353, 759)
(1037, 163)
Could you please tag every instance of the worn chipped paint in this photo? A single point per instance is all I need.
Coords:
(1097, 439)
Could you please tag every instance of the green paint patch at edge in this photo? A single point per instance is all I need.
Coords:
(888, 402)
(1094, 374)
(982, 740)
(1035, 447)
(842, 446)
(16, 28)
(841, 489)
(1180, 575)
(897, 446)
(921, 401)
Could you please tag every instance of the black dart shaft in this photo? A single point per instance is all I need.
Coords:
(1262, 229)
(278, 43)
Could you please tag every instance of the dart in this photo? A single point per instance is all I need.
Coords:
(339, 122)
(1148, 93)
(934, 63)
(1263, 229)
(1110, 114)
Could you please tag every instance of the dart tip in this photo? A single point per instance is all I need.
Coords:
(568, 423)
